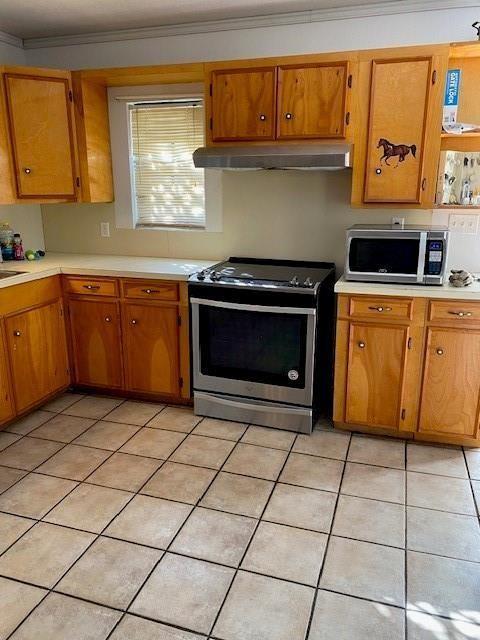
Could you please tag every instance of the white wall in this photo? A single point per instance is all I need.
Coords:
(274, 214)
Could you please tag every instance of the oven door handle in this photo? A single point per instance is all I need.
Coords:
(253, 307)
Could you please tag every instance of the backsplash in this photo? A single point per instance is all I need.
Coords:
(26, 220)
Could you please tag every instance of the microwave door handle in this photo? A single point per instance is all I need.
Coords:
(421, 257)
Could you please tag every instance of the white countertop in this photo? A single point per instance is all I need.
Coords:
(101, 265)
(472, 292)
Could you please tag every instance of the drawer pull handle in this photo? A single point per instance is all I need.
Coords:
(17, 333)
(108, 319)
(149, 291)
(380, 309)
(133, 321)
(91, 287)
(440, 352)
(461, 314)
(361, 345)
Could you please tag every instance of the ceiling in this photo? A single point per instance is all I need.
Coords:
(38, 18)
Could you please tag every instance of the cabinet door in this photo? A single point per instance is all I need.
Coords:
(243, 104)
(311, 101)
(96, 343)
(42, 139)
(6, 401)
(38, 353)
(399, 100)
(151, 349)
(375, 374)
(451, 382)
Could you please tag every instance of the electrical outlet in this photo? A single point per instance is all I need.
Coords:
(463, 223)
(398, 222)
(105, 229)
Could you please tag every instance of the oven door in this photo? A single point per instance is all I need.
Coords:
(253, 351)
(388, 256)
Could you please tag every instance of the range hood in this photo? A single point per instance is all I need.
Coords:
(311, 156)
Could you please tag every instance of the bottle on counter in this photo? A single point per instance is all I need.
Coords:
(18, 252)
(6, 241)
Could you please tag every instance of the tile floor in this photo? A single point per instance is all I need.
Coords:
(136, 521)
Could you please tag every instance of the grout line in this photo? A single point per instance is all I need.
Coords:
(329, 537)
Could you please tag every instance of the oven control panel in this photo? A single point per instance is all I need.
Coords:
(434, 257)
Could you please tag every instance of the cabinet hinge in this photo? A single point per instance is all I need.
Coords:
(347, 117)
(77, 181)
(179, 320)
(180, 382)
(349, 81)
(409, 343)
(404, 413)
(434, 76)
(70, 96)
(211, 89)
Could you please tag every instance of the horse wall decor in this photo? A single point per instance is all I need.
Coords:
(390, 150)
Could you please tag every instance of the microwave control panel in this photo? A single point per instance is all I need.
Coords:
(434, 257)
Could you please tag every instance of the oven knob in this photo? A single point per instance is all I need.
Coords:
(201, 275)
(213, 275)
(294, 282)
(309, 283)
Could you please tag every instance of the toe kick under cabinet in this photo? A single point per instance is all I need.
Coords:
(408, 367)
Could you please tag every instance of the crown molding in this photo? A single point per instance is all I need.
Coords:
(6, 38)
(273, 20)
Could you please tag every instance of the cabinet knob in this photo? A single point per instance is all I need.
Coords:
(149, 291)
(439, 352)
(133, 321)
(378, 171)
(17, 333)
(288, 116)
(27, 170)
(91, 287)
(380, 309)
(361, 345)
(262, 117)
(108, 319)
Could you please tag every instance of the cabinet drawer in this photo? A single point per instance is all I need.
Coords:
(150, 290)
(386, 308)
(91, 286)
(458, 312)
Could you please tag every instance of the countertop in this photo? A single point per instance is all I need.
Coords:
(472, 292)
(101, 265)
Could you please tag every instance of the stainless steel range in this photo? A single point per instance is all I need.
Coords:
(262, 341)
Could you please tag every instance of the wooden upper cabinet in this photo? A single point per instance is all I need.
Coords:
(243, 104)
(151, 347)
(311, 101)
(42, 138)
(451, 383)
(398, 126)
(377, 356)
(38, 353)
(96, 342)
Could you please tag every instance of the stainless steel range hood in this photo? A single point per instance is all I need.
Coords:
(312, 156)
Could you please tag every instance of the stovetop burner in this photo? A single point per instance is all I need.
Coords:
(266, 274)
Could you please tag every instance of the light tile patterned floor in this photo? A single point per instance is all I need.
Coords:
(126, 520)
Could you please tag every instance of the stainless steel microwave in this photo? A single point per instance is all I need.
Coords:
(382, 253)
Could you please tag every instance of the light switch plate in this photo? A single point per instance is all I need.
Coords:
(463, 223)
(105, 229)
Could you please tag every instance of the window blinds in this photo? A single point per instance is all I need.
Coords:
(167, 189)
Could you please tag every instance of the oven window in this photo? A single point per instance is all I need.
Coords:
(384, 255)
(253, 346)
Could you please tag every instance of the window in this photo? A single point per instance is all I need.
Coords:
(154, 132)
(168, 190)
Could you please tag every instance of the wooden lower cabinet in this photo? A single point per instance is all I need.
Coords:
(451, 382)
(418, 376)
(96, 343)
(151, 348)
(7, 410)
(377, 358)
(37, 350)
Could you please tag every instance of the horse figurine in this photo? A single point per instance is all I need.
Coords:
(400, 150)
